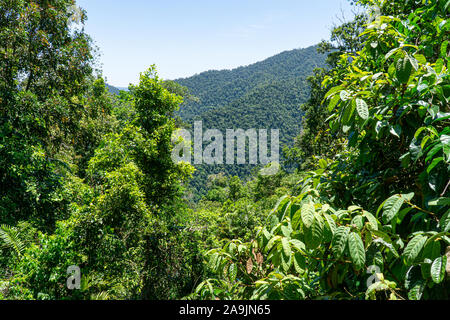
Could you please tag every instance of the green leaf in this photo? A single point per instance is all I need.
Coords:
(323, 164)
(390, 53)
(286, 262)
(357, 252)
(444, 47)
(413, 249)
(404, 69)
(314, 235)
(299, 263)
(286, 247)
(307, 213)
(340, 241)
(272, 242)
(232, 272)
(358, 222)
(330, 222)
(332, 91)
(438, 147)
(432, 250)
(441, 201)
(296, 219)
(300, 246)
(421, 58)
(348, 114)
(386, 241)
(413, 275)
(10, 237)
(372, 220)
(396, 131)
(439, 65)
(392, 207)
(362, 108)
(438, 269)
(445, 140)
(281, 203)
(425, 267)
(434, 164)
(334, 101)
(286, 231)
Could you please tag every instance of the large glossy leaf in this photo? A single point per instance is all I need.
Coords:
(404, 69)
(296, 219)
(358, 221)
(357, 251)
(438, 269)
(413, 61)
(232, 272)
(333, 91)
(307, 213)
(331, 223)
(314, 235)
(392, 207)
(413, 249)
(286, 247)
(413, 275)
(372, 220)
(340, 241)
(286, 262)
(299, 263)
(362, 108)
(297, 244)
(432, 250)
(334, 101)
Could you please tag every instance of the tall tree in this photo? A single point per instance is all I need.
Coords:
(45, 61)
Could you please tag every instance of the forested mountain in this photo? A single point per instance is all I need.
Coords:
(112, 89)
(274, 105)
(264, 95)
(221, 88)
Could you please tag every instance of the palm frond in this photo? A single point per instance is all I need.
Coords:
(10, 238)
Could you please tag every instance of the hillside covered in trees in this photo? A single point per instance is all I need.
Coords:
(215, 89)
(93, 207)
(267, 94)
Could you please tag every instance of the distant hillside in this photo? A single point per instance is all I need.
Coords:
(222, 88)
(115, 90)
(264, 95)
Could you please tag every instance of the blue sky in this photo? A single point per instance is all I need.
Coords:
(187, 37)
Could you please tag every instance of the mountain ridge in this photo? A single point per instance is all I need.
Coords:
(222, 87)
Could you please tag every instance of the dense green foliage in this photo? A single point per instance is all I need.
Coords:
(254, 111)
(376, 204)
(87, 178)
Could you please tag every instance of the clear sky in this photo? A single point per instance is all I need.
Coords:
(185, 37)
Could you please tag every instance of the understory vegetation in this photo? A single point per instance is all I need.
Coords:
(87, 178)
